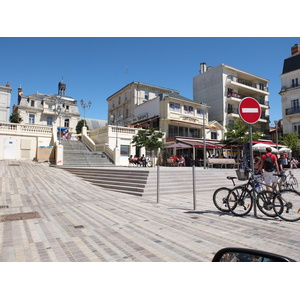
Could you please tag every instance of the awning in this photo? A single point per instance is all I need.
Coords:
(178, 145)
(192, 125)
(200, 144)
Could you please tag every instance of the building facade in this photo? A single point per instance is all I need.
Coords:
(42, 109)
(5, 98)
(290, 92)
(223, 87)
(140, 105)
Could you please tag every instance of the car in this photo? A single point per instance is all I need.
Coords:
(248, 255)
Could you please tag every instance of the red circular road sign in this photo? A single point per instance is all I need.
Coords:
(249, 110)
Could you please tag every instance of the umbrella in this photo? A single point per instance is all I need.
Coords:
(285, 149)
(260, 147)
(178, 145)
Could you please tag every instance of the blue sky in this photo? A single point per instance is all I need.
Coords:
(94, 67)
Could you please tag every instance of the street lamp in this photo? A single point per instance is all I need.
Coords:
(116, 122)
(84, 106)
(276, 125)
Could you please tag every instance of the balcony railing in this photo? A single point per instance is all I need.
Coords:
(261, 86)
(292, 110)
(260, 100)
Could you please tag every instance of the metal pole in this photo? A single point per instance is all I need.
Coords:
(204, 136)
(157, 192)
(194, 187)
(252, 165)
(276, 125)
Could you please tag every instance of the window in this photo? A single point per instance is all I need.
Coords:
(49, 106)
(125, 150)
(294, 82)
(32, 103)
(31, 119)
(296, 128)
(188, 110)
(174, 107)
(213, 135)
(49, 120)
(146, 95)
(67, 123)
(200, 112)
(295, 105)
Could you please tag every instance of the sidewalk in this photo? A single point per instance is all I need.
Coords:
(72, 220)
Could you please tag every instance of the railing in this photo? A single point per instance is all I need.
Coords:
(248, 83)
(292, 110)
(25, 129)
(260, 100)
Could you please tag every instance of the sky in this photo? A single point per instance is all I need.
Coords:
(94, 68)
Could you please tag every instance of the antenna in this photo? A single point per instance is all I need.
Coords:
(126, 75)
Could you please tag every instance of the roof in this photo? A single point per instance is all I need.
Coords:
(177, 96)
(291, 64)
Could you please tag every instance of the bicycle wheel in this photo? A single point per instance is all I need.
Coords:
(220, 199)
(240, 201)
(265, 203)
(289, 208)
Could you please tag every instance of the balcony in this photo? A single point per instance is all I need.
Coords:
(292, 110)
(260, 100)
(259, 86)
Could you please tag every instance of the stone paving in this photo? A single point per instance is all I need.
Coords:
(75, 221)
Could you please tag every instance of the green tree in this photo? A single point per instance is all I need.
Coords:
(79, 126)
(150, 139)
(290, 140)
(238, 134)
(15, 117)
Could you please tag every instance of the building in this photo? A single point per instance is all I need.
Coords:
(290, 92)
(223, 87)
(140, 105)
(42, 109)
(5, 96)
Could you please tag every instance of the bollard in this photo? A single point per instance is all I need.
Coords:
(194, 187)
(157, 192)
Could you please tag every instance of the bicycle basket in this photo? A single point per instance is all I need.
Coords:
(242, 174)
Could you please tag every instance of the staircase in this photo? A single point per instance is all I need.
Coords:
(143, 181)
(76, 154)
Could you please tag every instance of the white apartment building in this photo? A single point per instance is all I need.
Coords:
(5, 97)
(290, 92)
(42, 109)
(223, 87)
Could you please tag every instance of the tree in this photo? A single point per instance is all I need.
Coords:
(15, 117)
(238, 134)
(150, 139)
(79, 126)
(290, 140)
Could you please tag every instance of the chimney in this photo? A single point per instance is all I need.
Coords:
(19, 94)
(7, 84)
(295, 49)
(202, 68)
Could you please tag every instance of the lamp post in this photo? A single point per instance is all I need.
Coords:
(204, 135)
(276, 125)
(84, 106)
(116, 122)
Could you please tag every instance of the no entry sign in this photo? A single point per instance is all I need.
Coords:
(249, 110)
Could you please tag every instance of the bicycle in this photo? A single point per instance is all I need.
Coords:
(240, 200)
(284, 203)
(220, 196)
(289, 181)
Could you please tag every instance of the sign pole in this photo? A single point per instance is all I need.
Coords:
(252, 165)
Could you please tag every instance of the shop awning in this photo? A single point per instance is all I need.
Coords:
(199, 144)
(179, 145)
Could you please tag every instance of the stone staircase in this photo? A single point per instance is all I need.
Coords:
(76, 154)
(143, 181)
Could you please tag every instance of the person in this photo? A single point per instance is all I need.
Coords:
(175, 160)
(181, 161)
(269, 165)
(257, 173)
(281, 163)
(130, 160)
(294, 162)
(143, 160)
(136, 161)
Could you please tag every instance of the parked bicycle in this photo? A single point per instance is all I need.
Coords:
(289, 181)
(284, 203)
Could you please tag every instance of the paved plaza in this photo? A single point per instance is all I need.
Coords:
(50, 215)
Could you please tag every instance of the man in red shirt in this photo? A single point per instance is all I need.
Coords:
(269, 166)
